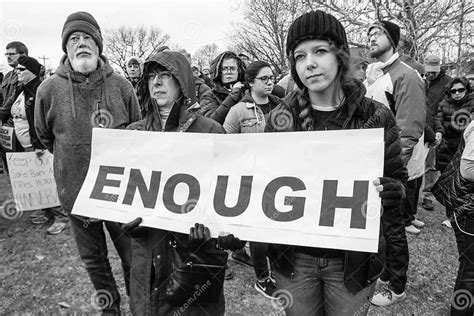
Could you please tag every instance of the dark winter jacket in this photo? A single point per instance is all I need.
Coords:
(452, 190)
(29, 90)
(68, 105)
(454, 116)
(151, 262)
(360, 268)
(201, 88)
(10, 91)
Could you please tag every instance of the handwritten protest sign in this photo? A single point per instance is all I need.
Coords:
(6, 137)
(32, 180)
(309, 189)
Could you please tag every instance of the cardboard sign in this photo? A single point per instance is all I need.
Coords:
(32, 180)
(6, 137)
(309, 189)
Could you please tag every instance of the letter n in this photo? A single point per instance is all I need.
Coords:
(136, 181)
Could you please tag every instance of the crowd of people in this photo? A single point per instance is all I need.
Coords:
(425, 115)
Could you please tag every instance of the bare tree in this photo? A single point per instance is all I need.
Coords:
(204, 55)
(123, 42)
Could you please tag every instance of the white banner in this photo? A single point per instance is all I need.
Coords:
(32, 180)
(308, 188)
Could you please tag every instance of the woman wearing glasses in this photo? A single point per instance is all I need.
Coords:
(249, 115)
(454, 113)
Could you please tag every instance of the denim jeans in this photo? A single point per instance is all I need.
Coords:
(258, 251)
(317, 288)
(464, 286)
(431, 174)
(410, 202)
(92, 246)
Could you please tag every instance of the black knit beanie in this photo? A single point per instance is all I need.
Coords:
(312, 25)
(82, 22)
(391, 29)
(30, 63)
(316, 24)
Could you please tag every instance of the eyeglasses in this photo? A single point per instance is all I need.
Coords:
(20, 69)
(11, 54)
(162, 75)
(460, 90)
(376, 34)
(231, 69)
(265, 79)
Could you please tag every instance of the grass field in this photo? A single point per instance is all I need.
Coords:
(42, 274)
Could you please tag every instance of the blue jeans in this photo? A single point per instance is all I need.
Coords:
(92, 246)
(464, 286)
(317, 288)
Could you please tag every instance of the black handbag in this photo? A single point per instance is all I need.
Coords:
(196, 277)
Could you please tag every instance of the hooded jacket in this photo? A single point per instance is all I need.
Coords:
(360, 268)
(151, 261)
(68, 105)
(399, 87)
(217, 102)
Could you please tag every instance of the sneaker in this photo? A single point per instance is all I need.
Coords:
(412, 230)
(56, 228)
(241, 256)
(387, 297)
(447, 223)
(40, 219)
(229, 274)
(266, 287)
(417, 223)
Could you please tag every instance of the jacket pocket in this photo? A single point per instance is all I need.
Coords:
(251, 125)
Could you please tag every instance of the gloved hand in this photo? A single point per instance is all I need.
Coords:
(132, 229)
(236, 92)
(199, 236)
(229, 242)
(391, 191)
(439, 138)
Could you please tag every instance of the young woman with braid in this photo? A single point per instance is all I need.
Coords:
(325, 281)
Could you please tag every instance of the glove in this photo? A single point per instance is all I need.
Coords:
(229, 242)
(199, 236)
(133, 230)
(391, 191)
(236, 93)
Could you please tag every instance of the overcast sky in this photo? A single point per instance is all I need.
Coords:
(191, 24)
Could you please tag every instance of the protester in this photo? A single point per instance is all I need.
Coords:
(249, 116)
(205, 77)
(454, 113)
(436, 84)
(331, 281)
(245, 59)
(455, 190)
(400, 88)
(134, 67)
(201, 86)
(84, 93)
(227, 74)
(358, 64)
(10, 88)
(168, 91)
(22, 111)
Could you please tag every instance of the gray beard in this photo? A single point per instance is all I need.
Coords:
(84, 66)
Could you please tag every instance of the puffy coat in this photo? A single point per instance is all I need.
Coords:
(360, 268)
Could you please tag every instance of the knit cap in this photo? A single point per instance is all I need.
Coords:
(30, 63)
(391, 29)
(82, 22)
